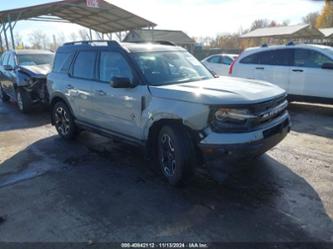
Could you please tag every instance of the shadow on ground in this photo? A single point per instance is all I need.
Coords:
(94, 189)
(12, 119)
(312, 118)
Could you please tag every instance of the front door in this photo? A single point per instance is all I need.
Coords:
(118, 109)
(314, 81)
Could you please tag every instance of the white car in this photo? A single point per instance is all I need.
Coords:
(305, 71)
(219, 63)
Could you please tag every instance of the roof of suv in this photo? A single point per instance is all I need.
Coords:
(289, 46)
(324, 49)
(130, 47)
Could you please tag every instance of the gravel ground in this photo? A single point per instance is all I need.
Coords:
(94, 189)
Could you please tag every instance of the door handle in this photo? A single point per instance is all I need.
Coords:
(100, 92)
(69, 87)
(298, 70)
(260, 68)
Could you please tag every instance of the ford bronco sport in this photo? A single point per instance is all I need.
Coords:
(161, 97)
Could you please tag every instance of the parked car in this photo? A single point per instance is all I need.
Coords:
(162, 98)
(304, 71)
(219, 63)
(23, 77)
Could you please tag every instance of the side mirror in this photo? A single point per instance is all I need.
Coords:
(8, 67)
(121, 82)
(327, 66)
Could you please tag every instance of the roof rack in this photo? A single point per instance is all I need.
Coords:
(168, 43)
(93, 41)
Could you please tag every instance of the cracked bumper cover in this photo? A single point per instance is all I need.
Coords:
(217, 146)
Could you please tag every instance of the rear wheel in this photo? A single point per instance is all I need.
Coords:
(64, 121)
(23, 100)
(3, 96)
(175, 154)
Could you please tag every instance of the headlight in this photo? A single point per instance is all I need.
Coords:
(230, 119)
(225, 114)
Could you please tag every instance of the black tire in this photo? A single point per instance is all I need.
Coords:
(23, 100)
(4, 97)
(64, 121)
(175, 154)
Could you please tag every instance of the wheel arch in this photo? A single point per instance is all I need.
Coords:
(156, 126)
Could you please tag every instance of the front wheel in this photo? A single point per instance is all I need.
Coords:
(3, 96)
(23, 100)
(64, 121)
(175, 153)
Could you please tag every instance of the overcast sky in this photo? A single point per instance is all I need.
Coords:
(196, 17)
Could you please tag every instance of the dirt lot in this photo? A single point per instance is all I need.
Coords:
(93, 189)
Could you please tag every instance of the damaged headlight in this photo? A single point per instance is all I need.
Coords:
(230, 119)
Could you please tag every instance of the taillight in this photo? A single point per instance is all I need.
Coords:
(232, 66)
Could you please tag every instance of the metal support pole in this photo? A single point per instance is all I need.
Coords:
(11, 32)
(90, 34)
(1, 47)
(6, 38)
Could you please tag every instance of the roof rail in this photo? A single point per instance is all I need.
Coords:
(168, 43)
(88, 42)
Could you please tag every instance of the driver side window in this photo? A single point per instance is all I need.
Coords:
(113, 64)
(310, 58)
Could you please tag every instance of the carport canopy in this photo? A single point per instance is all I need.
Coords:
(97, 15)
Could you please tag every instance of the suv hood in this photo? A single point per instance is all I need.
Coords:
(36, 70)
(219, 91)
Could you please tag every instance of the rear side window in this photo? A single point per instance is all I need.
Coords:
(84, 66)
(310, 58)
(215, 59)
(251, 59)
(279, 57)
(62, 62)
(113, 64)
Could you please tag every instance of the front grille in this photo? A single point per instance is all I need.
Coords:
(265, 106)
(268, 111)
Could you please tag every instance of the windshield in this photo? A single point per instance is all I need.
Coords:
(171, 67)
(329, 51)
(34, 59)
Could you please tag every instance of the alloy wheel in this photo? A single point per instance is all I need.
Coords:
(62, 121)
(167, 155)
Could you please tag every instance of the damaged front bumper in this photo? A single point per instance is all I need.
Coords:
(237, 146)
(36, 87)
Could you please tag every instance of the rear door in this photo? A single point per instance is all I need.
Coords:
(79, 85)
(275, 67)
(307, 78)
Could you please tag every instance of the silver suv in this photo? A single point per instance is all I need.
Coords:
(162, 98)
